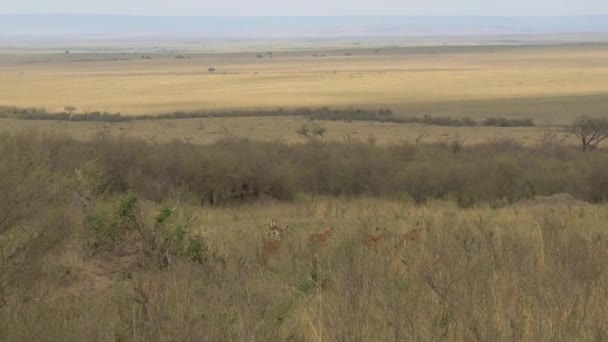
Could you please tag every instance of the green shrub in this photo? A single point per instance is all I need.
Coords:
(160, 241)
(111, 228)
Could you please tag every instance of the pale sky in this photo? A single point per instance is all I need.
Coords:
(308, 7)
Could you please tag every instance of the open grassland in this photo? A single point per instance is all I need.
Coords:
(209, 130)
(552, 84)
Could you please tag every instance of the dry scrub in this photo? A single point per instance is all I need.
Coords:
(137, 264)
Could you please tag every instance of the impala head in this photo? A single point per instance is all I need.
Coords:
(277, 234)
(276, 231)
(275, 225)
(380, 231)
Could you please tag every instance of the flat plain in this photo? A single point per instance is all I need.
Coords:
(549, 83)
(552, 84)
(208, 130)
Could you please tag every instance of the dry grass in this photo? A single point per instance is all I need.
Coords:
(205, 131)
(124, 269)
(525, 273)
(450, 81)
(534, 270)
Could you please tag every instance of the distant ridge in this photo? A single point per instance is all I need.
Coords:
(294, 27)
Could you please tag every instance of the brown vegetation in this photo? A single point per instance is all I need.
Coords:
(132, 264)
(238, 171)
(347, 114)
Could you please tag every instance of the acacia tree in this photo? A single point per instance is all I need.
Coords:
(70, 110)
(312, 131)
(590, 131)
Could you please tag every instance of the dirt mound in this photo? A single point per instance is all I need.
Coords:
(88, 274)
(556, 199)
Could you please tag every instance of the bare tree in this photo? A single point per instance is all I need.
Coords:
(590, 131)
(553, 138)
(69, 109)
(348, 138)
(104, 132)
(312, 131)
(423, 132)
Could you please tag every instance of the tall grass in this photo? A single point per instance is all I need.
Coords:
(524, 273)
(136, 264)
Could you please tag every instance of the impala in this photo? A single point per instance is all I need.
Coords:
(321, 238)
(372, 240)
(413, 235)
(271, 246)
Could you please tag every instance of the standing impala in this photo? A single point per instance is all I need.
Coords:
(372, 240)
(321, 238)
(273, 244)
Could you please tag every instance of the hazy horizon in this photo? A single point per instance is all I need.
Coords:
(276, 8)
(85, 14)
(296, 26)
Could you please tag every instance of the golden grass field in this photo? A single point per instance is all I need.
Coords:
(548, 83)
(208, 130)
(551, 84)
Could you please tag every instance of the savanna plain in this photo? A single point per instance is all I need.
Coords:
(358, 193)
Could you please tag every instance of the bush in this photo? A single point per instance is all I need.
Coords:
(502, 122)
(34, 221)
(345, 114)
(9, 111)
(238, 171)
(160, 241)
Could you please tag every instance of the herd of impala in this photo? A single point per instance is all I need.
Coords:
(277, 235)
